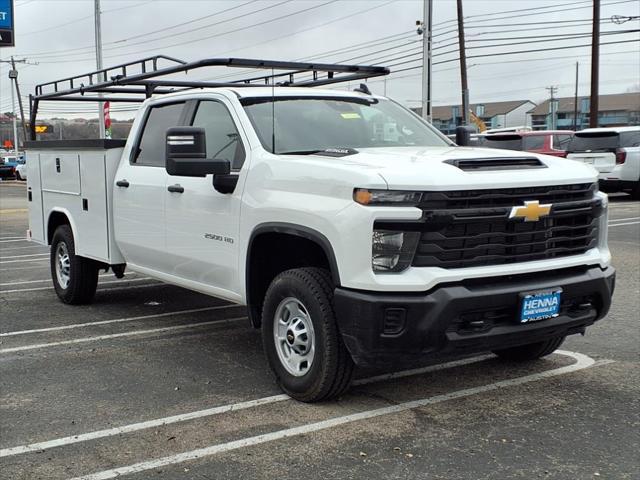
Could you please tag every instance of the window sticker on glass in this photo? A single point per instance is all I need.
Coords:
(351, 116)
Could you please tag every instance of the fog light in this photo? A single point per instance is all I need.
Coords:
(393, 251)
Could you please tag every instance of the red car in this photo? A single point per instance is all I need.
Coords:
(548, 142)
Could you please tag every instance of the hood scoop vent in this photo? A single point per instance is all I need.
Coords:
(484, 164)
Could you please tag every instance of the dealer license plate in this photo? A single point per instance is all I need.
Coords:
(537, 306)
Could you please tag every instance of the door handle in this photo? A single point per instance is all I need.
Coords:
(122, 183)
(177, 188)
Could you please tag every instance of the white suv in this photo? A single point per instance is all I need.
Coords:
(614, 152)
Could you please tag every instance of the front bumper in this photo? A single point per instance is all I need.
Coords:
(389, 329)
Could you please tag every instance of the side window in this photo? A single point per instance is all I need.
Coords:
(223, 140)
(630, 139)
(152, 148)
(534, 142)
(561, 142)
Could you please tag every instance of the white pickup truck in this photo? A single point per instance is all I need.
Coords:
(355, 233)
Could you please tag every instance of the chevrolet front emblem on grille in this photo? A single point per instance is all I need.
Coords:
(531, 212)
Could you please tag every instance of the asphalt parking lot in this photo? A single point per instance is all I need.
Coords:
(153, 381)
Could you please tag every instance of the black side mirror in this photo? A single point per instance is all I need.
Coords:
(463, 135)
(186, 154)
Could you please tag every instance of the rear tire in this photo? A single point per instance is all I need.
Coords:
(301, 338)
(18, 177)
(635, 191)
(532, 351)
(74, 278)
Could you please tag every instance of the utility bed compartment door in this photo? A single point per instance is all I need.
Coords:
(34, 198)
(92, 218)
(60, 172)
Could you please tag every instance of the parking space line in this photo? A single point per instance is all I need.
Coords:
(115, 320)
(9, 241)
(622, 224)
(23, 261)
(117, 335)
(134, 427)
(16, 237)
(582, 362)
(36, 289)
(24, 256)
(25, 282)
(623, 219)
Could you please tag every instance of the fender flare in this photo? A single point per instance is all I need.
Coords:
(67, 214)
(288, 229)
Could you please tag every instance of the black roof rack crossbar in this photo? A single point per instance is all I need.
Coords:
(145, 73)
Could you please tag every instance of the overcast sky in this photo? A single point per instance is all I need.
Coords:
(58, 35)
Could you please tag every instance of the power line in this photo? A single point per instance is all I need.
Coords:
(57, 27)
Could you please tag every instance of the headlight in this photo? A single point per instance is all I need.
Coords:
(393, 251)
(386, 197)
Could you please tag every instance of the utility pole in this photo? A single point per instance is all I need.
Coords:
(17, 85)
(13, 75)
(425, 28)
(575, 103)
(463, 66)
(595, 63)
(15, 126)
(98, 32)
(553, 106)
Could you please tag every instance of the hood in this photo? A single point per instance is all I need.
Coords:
(434, 168)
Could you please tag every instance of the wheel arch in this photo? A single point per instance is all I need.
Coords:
(59, 216)
(254, 294)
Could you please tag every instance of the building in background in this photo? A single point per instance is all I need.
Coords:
(614, 110)
(512, 113)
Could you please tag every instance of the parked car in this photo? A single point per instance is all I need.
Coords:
(354, 232)
(8, 165)
(21, 169)
(614, 152)
(547, 142)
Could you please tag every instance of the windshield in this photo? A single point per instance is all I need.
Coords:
(311, 124)
(506, 142)
(594, 141)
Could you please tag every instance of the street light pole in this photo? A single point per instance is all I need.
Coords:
(98, 33)
(427, 27)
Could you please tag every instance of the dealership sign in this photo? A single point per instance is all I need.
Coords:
(6, 23)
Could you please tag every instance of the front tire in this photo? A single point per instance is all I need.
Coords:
(300, 336)
(74, 278)
(532, 351)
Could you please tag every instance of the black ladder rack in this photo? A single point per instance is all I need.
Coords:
(138, 80)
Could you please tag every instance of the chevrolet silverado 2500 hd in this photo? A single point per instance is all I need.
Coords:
(355, 233)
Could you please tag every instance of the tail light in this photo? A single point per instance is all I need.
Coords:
(621, 156)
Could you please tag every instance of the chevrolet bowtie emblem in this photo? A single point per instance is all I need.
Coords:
(531, 212)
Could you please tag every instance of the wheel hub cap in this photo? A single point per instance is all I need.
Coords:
(63, 265)
(294, 336)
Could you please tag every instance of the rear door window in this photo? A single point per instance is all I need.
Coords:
(151, 148)
(534, 142)
(630, 139)
(561, 142)
(594, 142)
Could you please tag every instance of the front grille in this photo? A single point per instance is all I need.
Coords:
(472, 228)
